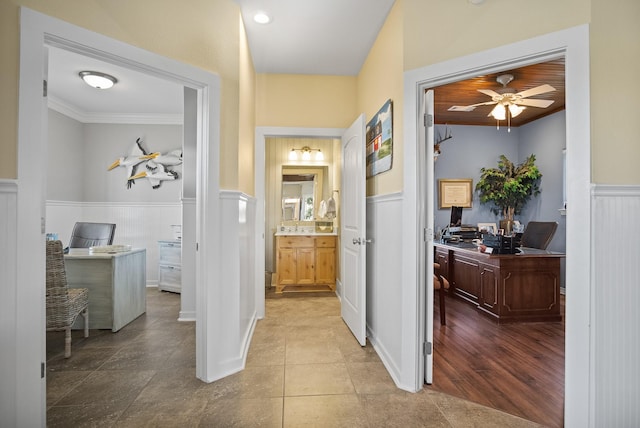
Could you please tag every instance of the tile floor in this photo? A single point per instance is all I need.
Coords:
(304, 368)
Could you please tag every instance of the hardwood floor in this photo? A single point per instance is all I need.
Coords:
(516, 368)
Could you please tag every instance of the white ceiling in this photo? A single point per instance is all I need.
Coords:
(331, 37)
(327, 37)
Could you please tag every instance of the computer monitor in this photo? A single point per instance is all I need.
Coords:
(455, 222)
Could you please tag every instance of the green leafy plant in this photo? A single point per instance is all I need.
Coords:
(509, 187)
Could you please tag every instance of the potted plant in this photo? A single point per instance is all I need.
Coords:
(509, 187)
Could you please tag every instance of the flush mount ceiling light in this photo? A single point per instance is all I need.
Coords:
(98, 80)
(262, 18)
(306, 154)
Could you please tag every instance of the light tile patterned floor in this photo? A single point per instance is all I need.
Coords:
(304, 368)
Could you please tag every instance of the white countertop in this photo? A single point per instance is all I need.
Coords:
(306, 234)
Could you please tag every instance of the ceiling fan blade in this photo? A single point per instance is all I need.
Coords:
(534, 103)
(489, 92)
(469, 107)
(542, 89)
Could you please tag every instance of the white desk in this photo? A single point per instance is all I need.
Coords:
(116, 282)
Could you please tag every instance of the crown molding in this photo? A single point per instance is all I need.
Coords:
(113, 118)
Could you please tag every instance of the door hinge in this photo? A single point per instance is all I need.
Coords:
(427, 234)
(427, 348)
(42, 370)
(428, 120)
(44, 88)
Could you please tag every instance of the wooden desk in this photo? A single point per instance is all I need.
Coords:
(116, 282)
(506, 287)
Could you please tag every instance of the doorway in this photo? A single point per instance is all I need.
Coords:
(573, 44)
(37, 32)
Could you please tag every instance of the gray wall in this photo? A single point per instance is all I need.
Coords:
(81, 153)
(65, 170)
(546, 139)
(474, 147)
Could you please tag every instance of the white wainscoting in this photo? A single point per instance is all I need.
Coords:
(140, 225)
(8, 287)
(384, 274)
(616, 306)
(236, 296)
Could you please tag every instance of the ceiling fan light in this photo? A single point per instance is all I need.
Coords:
(499, 112)
(98, 80)
(515, 109)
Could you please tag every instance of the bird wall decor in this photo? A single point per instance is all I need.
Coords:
(137, 155)
(174, 157)
(157, 165)
(157, 176)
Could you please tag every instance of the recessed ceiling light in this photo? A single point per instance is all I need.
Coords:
(98, 80)
(262, 18)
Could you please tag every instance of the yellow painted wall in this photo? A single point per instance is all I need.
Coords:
(438, 30)
(247, 125)
(381, 79)
(307, 101)
(615, 88)
(9, 45)
(204, 33)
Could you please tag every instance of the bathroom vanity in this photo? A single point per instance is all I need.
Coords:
(305, 261)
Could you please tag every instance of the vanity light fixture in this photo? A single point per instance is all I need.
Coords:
(305, 153)
(98, 80)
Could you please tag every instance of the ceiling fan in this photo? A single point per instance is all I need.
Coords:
(509, 103)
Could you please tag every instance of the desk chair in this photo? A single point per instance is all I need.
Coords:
(85, 235)
(63, 304)
(440, 283)
(538, 234)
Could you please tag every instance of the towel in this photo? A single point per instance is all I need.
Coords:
(322, 211)
(331, 208)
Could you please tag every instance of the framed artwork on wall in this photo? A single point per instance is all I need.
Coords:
(455, 192)
(379, 140)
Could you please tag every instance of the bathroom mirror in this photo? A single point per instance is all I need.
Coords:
(301, 193)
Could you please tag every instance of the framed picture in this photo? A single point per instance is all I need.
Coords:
(379, 141)
(487, 228)
(455, 192)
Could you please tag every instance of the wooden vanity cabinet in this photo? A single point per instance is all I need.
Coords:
(303, 261)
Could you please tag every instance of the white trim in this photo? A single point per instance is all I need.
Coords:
(573, 44)
(113, 118)
(55, 203)
(616, 190)
(37, 31)
(8, 310)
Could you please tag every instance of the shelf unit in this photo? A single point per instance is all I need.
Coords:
(170, 266)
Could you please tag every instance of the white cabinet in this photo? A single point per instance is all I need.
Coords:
(170, 266)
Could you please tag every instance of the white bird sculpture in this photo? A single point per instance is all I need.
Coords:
(130, 162)
(156, 177)
(174, 157)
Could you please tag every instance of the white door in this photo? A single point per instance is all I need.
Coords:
(353, 249)
(426, 219)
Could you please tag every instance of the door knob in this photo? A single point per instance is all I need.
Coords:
(356, 241)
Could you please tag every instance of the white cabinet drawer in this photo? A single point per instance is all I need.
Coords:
(169, 275)
(170, 253)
